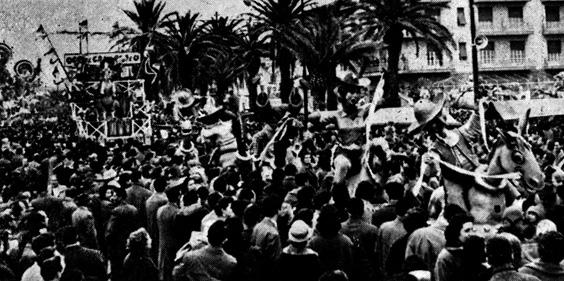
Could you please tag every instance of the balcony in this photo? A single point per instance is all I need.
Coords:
(491, 63)
(432, 65)
(553, 28)
(506, 27)
(554, 61)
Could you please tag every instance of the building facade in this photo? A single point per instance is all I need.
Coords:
(524, 39)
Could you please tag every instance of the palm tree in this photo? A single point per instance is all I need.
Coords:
(224, 30)
(321, 45)
(279, 16)
(225, 67)
(392, 20)
(147, 18)
(252, 45)
(185, 43)
(223, 63)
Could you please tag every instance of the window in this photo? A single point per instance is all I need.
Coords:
(554, 50)
(434, 57)
(487, 54)
(554, 46)
(517, 51)
(462, 51)
(485, 14)
(515, 12)
(552, 13)
(460, 17)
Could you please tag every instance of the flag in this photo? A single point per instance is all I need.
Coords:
(41, 33)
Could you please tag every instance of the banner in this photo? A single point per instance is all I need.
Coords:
(126, 58)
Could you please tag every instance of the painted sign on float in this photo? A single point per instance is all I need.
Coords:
(124, 58)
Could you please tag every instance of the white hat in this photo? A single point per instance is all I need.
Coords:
(299, 232)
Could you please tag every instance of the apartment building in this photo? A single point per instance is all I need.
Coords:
(525, 37)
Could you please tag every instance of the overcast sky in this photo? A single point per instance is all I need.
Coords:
(19, 19)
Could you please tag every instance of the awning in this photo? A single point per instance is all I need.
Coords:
(514, 109)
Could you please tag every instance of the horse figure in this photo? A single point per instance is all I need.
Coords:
(483, 194)
(221, 134)
(349, 171)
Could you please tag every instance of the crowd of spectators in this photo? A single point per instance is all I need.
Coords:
(75, 209)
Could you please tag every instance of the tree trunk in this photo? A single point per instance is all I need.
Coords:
(286, 84)
(318, 90)
(391, 87)
(330, 82)
(252, 71)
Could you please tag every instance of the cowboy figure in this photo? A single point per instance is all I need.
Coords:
(186, 105)
(451, 142)
(349, 121)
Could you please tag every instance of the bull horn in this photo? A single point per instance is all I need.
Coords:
(296, 101)
(262, 100)
(524, 122)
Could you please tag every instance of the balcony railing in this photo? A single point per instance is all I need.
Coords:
(515, 62)
(505, 27)
(555, 60)
(429, 65)
(553, 27)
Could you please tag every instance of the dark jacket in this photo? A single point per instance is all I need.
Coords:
(89, 262)
(152, 205)
(123, 221)
(266, 239)
(169, 240)
(508, 273)
(363, 235)
(136, 268)
(299, 267)
(137, 196)
(335, 253)
(544, 271)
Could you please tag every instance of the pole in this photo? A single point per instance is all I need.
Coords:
(306, 110)
(475, 70)
(80, 39)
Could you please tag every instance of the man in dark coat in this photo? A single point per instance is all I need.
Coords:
(168, 233)
(137, 195)
(89, 262)
(152, 205)
(266, 237)
(123, 221)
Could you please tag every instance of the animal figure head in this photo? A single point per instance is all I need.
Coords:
(219, 131)
(515, 155)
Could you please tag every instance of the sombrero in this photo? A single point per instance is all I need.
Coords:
(213, 116)
(186, 99)
(426, 110)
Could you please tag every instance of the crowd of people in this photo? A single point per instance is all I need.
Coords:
(75, 209)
